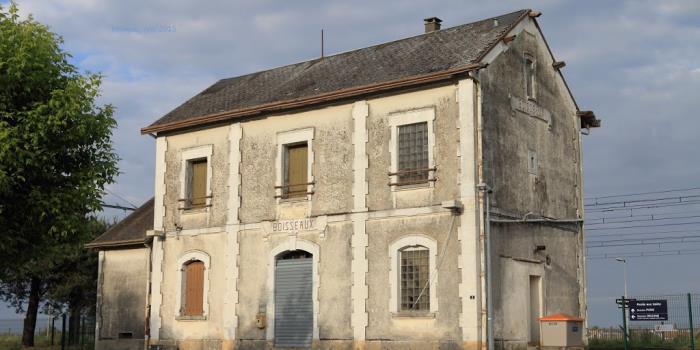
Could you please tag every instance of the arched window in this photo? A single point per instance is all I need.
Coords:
(193, 288)
(412, 277)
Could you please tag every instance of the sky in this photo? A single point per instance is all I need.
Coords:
(635, 63)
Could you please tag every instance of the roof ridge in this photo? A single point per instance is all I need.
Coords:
(372, 46)
(398, 60)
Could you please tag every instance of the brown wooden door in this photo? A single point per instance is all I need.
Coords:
(194, 289)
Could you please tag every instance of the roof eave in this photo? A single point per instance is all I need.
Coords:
(314, 100)
(117, 244)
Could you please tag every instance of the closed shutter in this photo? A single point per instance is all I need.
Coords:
(194, 289)
(198, 184)
(297, 170)
(293, 303)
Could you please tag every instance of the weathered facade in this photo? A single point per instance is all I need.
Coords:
(383, 241)
(122, 285)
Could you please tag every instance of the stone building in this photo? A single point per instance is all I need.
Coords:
(348, 202)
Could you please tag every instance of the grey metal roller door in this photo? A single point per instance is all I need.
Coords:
(293, 303)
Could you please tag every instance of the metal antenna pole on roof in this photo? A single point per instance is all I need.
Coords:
(321, 43)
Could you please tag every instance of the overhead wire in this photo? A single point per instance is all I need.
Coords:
(643, 193)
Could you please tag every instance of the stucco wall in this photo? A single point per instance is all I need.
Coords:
(123, 290)
(444, 324)
(332, 162)
(442, 99)
(214, 216)
(554, 191)
(334, 280)
(173, 249)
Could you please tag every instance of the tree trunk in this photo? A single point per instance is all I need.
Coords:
(74, 324)
(32, 309)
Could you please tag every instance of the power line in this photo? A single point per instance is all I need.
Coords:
(642, 239)
(632, 215)
(659, 242)
(115, 206)
(639, 226)
(644, 193)
(639, 207)
(120, 197)
(678, 199)
(641, 220)
(640, 233)
(643, 254)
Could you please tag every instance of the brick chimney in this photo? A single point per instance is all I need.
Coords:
(432, 24)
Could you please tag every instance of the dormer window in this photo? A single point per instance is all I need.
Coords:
(529, 69)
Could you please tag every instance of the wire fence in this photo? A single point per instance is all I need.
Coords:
(652, 328)
(51, 333)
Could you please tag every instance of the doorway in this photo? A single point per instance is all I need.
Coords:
(535, 308)
(294, 299)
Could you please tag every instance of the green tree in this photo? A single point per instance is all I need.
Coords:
(56, 157)
(72, 284)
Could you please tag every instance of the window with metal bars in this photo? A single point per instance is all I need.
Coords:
(413, 153)
(414, 278)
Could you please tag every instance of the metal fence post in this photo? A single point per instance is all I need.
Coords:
(53, 328)
(63, 332)
(690, 319)
(624, 322)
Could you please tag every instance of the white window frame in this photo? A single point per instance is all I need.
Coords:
(291, 137)
(190, 154)
(528, 56)
(193, 255)
(395, 271)
(398, 119)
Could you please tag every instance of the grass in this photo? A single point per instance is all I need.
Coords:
(41, 341)
(643, 342)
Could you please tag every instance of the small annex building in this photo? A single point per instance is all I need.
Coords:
(123, 279)
(424, 193)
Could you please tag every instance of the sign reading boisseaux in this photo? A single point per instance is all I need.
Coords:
(293, 225)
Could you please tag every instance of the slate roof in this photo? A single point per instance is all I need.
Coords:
(432, 52)
(130, 231)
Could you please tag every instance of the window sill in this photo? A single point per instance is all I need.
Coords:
(191, 318)
(294, 199)
(413, 315)
(418, 186)
(200, 210)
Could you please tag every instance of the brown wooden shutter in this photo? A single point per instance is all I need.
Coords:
(194, 289)
(297, 170)
(198, 183)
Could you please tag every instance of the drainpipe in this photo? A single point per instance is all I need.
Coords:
(486, 190)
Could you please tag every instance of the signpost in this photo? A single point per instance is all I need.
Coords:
(648, 310)
(624, 304)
